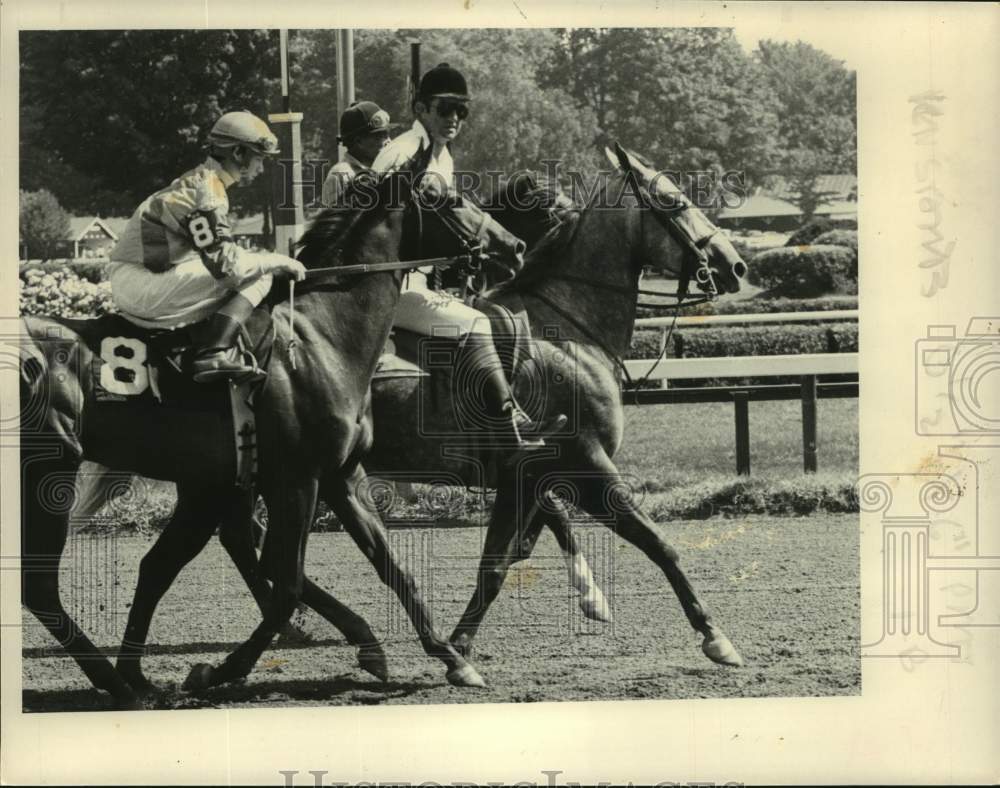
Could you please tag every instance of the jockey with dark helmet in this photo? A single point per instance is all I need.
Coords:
(440, 106)
(176, 263)
(364, 131)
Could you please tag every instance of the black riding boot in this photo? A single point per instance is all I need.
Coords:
(216, 356)
(485, 366)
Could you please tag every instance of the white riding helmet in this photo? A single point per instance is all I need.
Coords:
(244, 128)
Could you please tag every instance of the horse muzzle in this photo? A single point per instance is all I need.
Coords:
(728, 279)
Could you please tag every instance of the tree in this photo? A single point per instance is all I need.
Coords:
(688, 99)
(802, 170)
(122, 112)
(515, 122)
(43, 224)
(817, 97)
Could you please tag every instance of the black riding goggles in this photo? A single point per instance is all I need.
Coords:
(445, 108)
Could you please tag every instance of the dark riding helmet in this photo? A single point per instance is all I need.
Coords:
(363, 117)
(443, 81)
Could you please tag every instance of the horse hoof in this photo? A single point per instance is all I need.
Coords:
(372, 659)
(130, 703)
(718, 649)
(465, 676)
(596, 608)
(200, 678)
(293, 635)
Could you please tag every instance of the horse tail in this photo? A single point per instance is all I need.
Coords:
(34, 366)
(34, 370)
(40, 390)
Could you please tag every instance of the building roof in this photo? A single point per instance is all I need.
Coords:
(843, 186)
(777, 200)
(79, 226)
(116, 224)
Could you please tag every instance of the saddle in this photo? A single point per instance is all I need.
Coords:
(140, 380)
(411, 355)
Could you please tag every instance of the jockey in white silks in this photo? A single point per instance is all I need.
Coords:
(441, 105)
(176, 263)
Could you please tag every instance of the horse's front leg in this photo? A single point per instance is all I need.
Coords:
(633, 525)
(367, 530)
(291, 504)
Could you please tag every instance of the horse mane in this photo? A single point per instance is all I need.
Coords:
(550, 208)
(331, 229)
(532, 199)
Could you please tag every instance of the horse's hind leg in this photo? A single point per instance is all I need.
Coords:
(197, 513)
(508, 526)
(634, 526)
(367, 530)
(592, 600)
(45, 528)
(357, 632)
(291, 503)
(237, 535)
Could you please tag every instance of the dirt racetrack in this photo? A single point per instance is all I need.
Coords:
(785, 590)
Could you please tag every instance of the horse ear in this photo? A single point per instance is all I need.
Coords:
(623, 158)
(613, 158)
(419, 163)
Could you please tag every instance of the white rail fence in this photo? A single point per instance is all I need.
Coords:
(806, 366)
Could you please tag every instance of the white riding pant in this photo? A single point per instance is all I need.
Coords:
(184, 294)
(431, 312)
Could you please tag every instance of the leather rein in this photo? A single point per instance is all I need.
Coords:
(694, 266)
(471, 259)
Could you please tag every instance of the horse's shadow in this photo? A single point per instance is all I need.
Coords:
(342, 689)
(179, 649)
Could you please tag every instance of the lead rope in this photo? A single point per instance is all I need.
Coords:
(292, 342)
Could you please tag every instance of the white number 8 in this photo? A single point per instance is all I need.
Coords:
(201, 232)
(113, 360)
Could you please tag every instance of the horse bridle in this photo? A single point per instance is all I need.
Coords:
(472, 260)
(694, 265)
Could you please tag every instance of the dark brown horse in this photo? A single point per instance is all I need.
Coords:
(312, 433)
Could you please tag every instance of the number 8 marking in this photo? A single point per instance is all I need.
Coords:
(136, 363)
(201, 232)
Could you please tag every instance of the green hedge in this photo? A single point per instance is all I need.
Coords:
(806, 271)
(766, 340)
(832, 493)
(760, 306)
(810, 231)
(846, 238)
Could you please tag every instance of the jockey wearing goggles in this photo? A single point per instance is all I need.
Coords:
(441, 106)
(176, 263)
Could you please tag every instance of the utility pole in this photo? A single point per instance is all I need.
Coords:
(286, 174)
(345, 77)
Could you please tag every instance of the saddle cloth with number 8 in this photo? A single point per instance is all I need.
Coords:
(140, 386)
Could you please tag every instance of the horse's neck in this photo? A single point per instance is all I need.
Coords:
(600, 253)
(352, 324)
